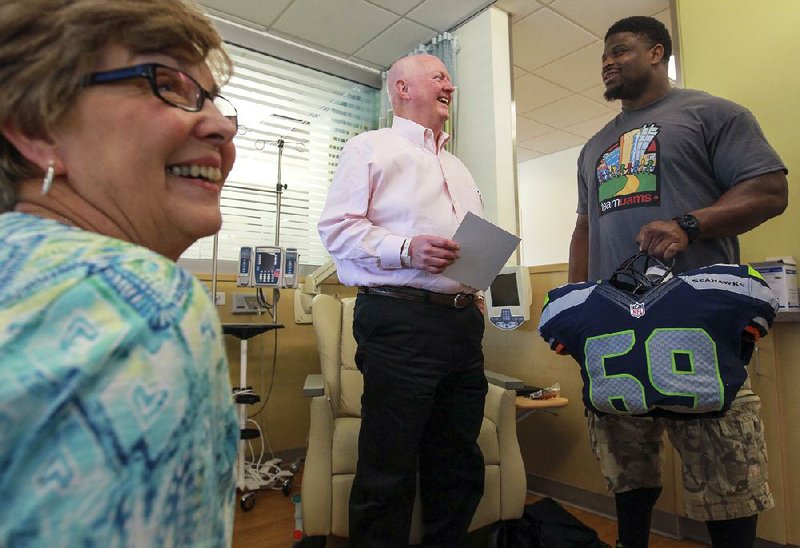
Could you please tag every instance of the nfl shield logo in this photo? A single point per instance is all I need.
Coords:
(637, 310)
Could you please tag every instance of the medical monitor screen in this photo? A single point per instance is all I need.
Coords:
(267, 266)
(504, 290)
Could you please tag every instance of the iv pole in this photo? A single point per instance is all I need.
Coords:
(279, 474)
(247, 499)
(279, 188)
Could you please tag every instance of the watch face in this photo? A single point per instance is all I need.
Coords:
(690, 225)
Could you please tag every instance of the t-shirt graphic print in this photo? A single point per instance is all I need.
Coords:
(627, 172)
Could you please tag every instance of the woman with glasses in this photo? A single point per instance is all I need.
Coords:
(116, 421)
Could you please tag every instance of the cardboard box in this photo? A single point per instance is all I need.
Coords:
(781, 275)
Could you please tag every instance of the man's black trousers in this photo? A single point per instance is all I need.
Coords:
(422, 408)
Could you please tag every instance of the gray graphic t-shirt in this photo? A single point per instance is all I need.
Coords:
(676, 155)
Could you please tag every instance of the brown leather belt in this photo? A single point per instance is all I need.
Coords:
(454, 300)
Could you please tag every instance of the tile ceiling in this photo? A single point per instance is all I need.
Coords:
(556, 48)
(370, 32)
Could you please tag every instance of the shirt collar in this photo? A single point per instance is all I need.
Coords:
(419, 135)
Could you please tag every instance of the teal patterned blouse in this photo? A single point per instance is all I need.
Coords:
(117, 426)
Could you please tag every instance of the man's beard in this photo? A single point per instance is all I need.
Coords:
(630, 89)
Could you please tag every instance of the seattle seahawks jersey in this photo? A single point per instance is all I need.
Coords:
(677, 350)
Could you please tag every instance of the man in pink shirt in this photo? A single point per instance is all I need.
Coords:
(395, 201)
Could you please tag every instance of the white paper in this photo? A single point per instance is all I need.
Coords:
(485, 248)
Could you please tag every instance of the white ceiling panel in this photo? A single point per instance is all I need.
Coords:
(531, 92)
(401, 37)
(544, 37)
(255, 11)
(525, 154)
(440, 14)
(598, 16)
(378, 67)
(589, 127)
(553, 142)
(567, 111)
(397, 6)
(344, 25)
(518, 9)
(576, 71)
(595, 93)
(528, 129)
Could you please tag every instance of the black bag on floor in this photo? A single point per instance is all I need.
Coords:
(545, 524)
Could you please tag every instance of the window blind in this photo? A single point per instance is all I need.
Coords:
(314, 114)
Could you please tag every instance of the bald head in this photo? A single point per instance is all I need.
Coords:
(420, 89)
(405, 69)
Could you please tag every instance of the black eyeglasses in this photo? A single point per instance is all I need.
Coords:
(173, 86)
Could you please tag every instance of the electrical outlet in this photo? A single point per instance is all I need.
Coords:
(220, 299)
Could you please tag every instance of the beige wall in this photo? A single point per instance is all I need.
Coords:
(742, 50)
(548, 199)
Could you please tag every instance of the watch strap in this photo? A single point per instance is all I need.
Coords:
(689, 224)
(405, 257)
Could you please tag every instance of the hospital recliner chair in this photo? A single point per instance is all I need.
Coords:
(336, 419)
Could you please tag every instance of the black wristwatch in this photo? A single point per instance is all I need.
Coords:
(689, 224)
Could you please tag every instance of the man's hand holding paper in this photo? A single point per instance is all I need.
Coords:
(432, 253)
(483, 249)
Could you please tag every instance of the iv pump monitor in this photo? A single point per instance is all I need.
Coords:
(267, 266)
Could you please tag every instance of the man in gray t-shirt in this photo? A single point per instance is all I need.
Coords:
(678, 173)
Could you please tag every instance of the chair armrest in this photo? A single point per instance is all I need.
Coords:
(501, 409)
(314, 385)
(497, 408)
(316, 489)
(503, 381)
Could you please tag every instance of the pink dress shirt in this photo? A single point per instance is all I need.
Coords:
(392, 184)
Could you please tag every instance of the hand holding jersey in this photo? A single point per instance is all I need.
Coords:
(662, 239)
(678, 349)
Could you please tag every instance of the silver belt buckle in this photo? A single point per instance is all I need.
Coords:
(461, 300)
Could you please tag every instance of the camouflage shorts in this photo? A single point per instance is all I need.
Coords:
(724, 460)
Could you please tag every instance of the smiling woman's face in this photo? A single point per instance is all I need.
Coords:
(138, 160)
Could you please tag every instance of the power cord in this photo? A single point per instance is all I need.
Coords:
(272, 375)
(265, 475)
(260, 474)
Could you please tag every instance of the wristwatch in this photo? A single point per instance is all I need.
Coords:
(689, 224)
(405, 257)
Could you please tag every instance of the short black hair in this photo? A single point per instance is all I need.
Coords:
(648, 27)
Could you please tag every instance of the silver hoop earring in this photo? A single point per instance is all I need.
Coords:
(47, 182)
